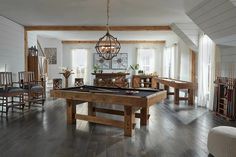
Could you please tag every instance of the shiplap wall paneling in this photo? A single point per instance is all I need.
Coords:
(11, 46)
(217, 18)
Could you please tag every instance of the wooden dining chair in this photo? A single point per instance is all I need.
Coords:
(34, 90)
(10, 95)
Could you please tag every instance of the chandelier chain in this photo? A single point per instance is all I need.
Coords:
(108, 16)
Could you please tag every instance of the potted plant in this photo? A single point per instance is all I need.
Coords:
(95, 68)
(135, 67)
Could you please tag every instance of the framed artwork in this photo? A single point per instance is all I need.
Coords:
(102, 63)
(120, 62)
(51, 55)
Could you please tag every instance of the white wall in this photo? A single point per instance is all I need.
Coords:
(11, 46)
(131, 49)
(32, 38)
(185, 63)
(228, 61)
(53, 69)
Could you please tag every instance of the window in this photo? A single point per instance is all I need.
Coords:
(169, 62)
(79, 63)
(146, 59)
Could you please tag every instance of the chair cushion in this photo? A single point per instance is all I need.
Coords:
(11, 90)
(14, 89)
(36, 88)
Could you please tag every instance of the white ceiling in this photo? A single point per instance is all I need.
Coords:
(93, 12)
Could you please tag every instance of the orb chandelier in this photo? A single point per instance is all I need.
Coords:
(107, 46)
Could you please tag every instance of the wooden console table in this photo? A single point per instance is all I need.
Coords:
(110, 79)
(144, 81)
(177, 85)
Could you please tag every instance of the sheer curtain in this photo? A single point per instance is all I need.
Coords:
(79, 64)
(145, 59)
(170, 61)
(206, 71)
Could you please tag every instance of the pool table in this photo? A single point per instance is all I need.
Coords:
(131, 99)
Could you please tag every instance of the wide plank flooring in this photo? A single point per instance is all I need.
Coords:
(173, 131)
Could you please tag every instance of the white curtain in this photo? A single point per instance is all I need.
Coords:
(170, 62)
(206, 72)
(145, 59)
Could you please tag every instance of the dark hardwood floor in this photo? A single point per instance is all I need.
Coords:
(173, 131)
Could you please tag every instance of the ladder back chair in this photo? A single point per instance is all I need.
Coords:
(34, 90)
(8, 91)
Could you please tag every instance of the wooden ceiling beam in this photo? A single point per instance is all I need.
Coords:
(121, 41)
(97, 28)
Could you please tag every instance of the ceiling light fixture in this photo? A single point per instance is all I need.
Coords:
(108, 47)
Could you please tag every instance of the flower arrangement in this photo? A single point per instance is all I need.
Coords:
(66, 71)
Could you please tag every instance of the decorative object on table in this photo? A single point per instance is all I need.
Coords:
(120, 62)
(140, 72)
(100, 71)
(107, 47)
(66, 72)
(95, 68)
(101, 62)
(33, 51)
(131, 92)
(135, 67)
(154, 74)
(142, 85)
(51, 55)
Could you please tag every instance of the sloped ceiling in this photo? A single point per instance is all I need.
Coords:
(93, 12)
(216, 18)
(188, 32)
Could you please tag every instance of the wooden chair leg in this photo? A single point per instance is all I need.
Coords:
(6, 106)
(12, 104)
(2, 106)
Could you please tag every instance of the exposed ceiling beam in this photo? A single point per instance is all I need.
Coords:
(97, 28)
(121, 41)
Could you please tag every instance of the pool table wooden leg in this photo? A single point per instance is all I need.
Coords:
(144, 116)
(91, 111)
(71, 110)
(176, 96)
(190, 97)
(167, 88)
(128, 120)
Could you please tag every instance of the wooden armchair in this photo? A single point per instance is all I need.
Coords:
(8, 91)
(34, 90)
